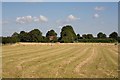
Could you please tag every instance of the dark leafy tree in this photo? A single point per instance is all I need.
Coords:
(101, 35)
(24, 37)
(119, 39)
(15, 36)
(114, 35)
(8, 40)
(78, 36)
(51, 33)
(35, 35)
(89, 36)
(51, 36)
(45, 39)
(0, 40)
(67, 34)
(84, 36)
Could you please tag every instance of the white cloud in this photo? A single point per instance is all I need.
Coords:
(67, 20)
(25, 19)
(29, 19)
(72, 18)
(96, 15)
(43, 18)
(35, 19)
(99, 8)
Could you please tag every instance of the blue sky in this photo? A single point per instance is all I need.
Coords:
(59, 0)
(85, 17)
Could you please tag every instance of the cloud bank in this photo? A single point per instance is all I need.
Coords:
(72, 18)
(30, 19)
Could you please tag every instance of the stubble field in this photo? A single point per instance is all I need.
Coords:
(84, 60)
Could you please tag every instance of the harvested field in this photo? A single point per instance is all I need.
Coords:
(46, 60)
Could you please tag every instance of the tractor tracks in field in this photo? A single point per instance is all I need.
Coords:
(69, 60)
(38, 56)
(77, 69)
(60, 59)
(108, 62)
(63, 62)
(45, 62)
(26, 52)
(113, 51)
(110, 56)
(32, 55)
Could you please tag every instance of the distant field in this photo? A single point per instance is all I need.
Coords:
(85, 60)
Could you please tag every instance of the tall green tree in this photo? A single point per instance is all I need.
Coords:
(51, 36)
(78, 36)
(35, 35)
(84, 36)
(114, 35)
(8, 40)
(90, 36)
(101, 35)
(24, 37)
(87, 36)
(15, 36)
(67, 34)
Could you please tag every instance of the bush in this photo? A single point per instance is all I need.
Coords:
(107, 40)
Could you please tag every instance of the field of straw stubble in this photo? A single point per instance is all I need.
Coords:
(37, 60)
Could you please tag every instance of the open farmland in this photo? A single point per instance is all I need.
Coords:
(83, 60)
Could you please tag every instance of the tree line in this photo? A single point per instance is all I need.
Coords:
(67, 35)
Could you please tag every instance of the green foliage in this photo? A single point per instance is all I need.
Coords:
(67, 34)
(45, 39)
(51, 36)
(96, 40)
(35, 36)
(114, 35)
(51, 33)
(87, 36)
(78, 36)
(24, 36)
(32, 36)
(15, 34)
(119, 39)
(10, 40)
(84, 36)
(101, 35)
(0, 40)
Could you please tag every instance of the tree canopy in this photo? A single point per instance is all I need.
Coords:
(35, 35)
(67, 35)
(51, 36)
(87, 36)
(101, 35)
(114, 35)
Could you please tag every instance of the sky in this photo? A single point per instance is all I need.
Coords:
(59, 0)
(85, 17)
